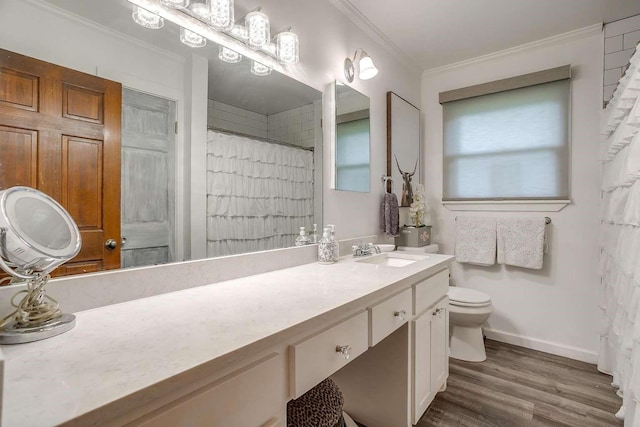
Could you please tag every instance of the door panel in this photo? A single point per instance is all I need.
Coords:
(18, 90)
(148, 175)
(60, 133)
(18, 156)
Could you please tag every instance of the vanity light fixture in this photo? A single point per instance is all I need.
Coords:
(258, 30)
(176, 4)
(192, 39)
(213, 20)
(227, 55)
(365, 65)
(147, 19)
(260, 69)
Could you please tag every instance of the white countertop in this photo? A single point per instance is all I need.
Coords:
(117, 356)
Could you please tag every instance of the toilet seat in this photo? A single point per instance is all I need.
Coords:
(465, 297)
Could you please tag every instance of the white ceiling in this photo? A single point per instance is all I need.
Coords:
(433, 33)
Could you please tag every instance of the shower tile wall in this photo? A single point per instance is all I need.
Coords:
(293, 126)
(235, 119)
(620, 40)
(296, 126)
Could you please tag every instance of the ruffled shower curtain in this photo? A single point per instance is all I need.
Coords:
(620, 255)
(259, 194)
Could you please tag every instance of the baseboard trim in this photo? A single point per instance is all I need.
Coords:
(542, 345)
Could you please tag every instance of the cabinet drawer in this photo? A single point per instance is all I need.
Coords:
(315, 358)
(430, 291)
(261, 388)
(388, 316)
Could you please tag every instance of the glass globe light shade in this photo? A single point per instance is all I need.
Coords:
(227, 55)
(192, 39)
(201, 8)
(147, 19)
(259, 69)
(287, 49)
(258, 31)
(367, 69)
(221, 18)
(176, 4)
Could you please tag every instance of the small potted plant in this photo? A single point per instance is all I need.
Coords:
(416, 234)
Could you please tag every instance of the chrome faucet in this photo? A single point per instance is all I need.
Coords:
(365, 249)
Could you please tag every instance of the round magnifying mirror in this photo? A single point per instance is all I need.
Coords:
(39, 234)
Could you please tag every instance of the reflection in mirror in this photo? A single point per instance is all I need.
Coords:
(261, 140)
(403, 147)
(352, 140)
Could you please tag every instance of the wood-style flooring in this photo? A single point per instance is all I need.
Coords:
(521, 387)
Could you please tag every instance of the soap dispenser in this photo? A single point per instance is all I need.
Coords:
(325, 248)
(336, 244)
(314, 235)
(302, 239)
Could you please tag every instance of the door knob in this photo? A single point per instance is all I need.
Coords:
(111, 244)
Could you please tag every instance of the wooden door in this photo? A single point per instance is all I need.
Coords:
(60, 133)
(148, 176)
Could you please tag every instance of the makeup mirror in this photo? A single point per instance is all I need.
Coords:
(36, 236)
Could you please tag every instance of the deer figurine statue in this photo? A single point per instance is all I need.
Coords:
(407, 191)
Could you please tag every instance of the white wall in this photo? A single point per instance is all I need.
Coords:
(228, 117)
(554, 309)
(620, 40)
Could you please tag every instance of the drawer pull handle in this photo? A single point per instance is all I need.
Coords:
(344, 350)
(400, 314)
(438, 312)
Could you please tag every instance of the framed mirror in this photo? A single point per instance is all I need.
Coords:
(352, 142)
(172, 101)
(404, 165)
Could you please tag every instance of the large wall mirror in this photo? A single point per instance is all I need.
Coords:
(263, 164)
(351, 151)
(403, 146)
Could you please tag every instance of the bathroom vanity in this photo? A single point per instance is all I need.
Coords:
(234, 353)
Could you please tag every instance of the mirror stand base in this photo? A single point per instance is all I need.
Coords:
(13, 334)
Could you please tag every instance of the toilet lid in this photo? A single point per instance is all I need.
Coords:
(467, 297)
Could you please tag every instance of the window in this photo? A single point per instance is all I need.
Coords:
(352, 155)
(508, 140)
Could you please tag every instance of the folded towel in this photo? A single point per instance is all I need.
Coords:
(390, 215)
(521, 242)
(476, 240)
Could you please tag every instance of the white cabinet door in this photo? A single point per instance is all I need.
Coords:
(430, 356)
(439, 345)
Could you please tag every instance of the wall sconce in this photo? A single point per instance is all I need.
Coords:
(367, 69)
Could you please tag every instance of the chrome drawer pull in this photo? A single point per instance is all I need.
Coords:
(438, 312)
(401, 314)
(344, 350)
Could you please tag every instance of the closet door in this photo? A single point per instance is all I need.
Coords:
(148, 176)
(60, 133)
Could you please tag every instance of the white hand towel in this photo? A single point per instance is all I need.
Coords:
(476, 240)
(521, 242)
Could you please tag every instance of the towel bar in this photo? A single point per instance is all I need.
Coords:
(547, 220)
(384, 180)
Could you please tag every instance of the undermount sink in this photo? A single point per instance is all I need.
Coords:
(392, 259)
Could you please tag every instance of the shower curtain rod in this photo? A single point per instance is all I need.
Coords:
(259, 138)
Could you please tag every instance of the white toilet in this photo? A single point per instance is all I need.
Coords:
(468, 310)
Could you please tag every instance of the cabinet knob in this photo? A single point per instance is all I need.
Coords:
(344, 350)
(438, 312)
(400, 314)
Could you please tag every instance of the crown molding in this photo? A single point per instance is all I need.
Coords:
(104, 29)
(355, 16)
(580, 33)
